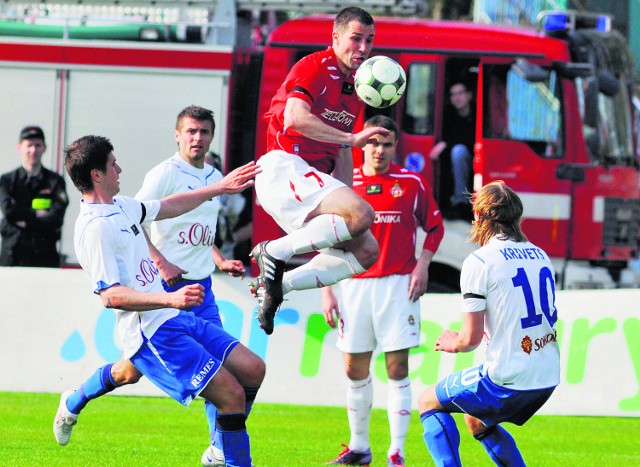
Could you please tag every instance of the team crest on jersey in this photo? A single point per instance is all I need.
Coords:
(412, 320)
(396, 190)
(374, 189)
(296, 149)
(134, 229)
(347, 88)
(526, 344)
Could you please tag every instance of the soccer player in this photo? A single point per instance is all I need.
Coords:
(183, 247)
(381, 307)
(508, 294)
(182, 354)
(309, 137)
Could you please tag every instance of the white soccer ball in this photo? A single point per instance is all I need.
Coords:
(380, 81)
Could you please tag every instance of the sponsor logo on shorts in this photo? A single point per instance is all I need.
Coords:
(202, 374)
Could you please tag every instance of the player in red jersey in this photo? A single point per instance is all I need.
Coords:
(380, 307)
(309, 137)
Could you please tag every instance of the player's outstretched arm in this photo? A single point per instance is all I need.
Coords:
(125, 298)
(234, 182)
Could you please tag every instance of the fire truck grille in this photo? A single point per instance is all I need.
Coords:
(621, 220)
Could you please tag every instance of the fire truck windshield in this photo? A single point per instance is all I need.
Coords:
(517, 109)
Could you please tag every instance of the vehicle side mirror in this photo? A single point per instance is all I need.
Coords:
(529, 71)
(591, 102)
(608, 84)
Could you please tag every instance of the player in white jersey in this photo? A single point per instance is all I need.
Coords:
(509, 297)
(182, 354)
(183, 247)
(380, 307)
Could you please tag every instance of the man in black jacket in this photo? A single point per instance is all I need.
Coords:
(33, 201)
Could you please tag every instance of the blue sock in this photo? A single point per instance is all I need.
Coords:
(232, 438)
(501, 447)
(442, 438)
(211, 413)
(97, 385)
(250, 397)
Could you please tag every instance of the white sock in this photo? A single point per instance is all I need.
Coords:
(399, 413)
(327, 268)
(321, 232)
(359, 403)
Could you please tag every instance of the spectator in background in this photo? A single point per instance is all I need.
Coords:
(458, 136)
(33, 201)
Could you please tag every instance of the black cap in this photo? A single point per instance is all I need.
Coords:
(29, 132)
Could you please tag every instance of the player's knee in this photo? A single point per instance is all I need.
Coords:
(361, 219)
(398, 371)
(476, 427)
(356, 374)
(256, 373)
(427, 401)
(368, 254)
(125, 375)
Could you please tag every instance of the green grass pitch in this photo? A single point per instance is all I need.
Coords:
(149, 431)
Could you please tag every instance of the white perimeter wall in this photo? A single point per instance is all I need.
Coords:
(54, 333)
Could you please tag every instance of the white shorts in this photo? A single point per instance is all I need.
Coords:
(288, 188)
(377, 312)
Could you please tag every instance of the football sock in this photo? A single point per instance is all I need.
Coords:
(359, 403)
(442, 438)
(233, 439)
(399, 413)
(249, 397)
(321, 232)
(212, 413)
(327, 268)
(501, 447)
(99, 383)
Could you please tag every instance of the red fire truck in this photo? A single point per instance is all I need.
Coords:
(553, 109)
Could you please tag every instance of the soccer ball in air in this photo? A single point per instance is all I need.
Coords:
(380, 81)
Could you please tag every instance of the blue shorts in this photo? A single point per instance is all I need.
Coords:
(208, 310)
(183, 355)
(472, 392)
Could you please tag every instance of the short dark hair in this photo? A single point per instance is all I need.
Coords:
(197, 113)
(352, 13)
(384, 122)
(84, 155)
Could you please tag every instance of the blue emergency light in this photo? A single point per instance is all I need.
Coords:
(553, 21)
